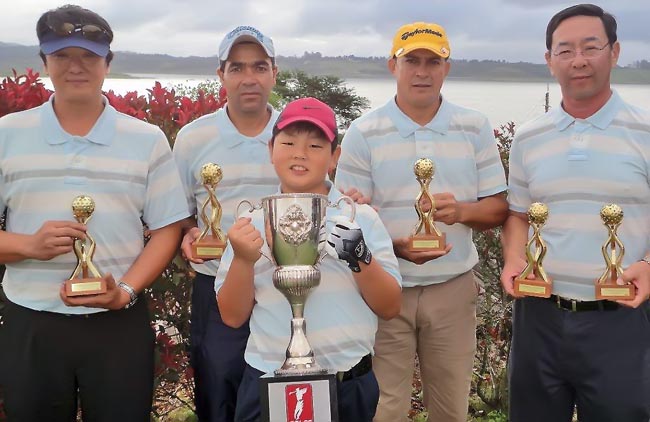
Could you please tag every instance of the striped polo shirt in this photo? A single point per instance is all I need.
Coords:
(576, 166)
(340, 325)
(379, 151)
(125, 165)
(244, 161)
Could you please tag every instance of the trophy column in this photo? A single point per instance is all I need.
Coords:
(432, 239)
(613, 251)
(85, 279)
(211, 243)
(540, 285)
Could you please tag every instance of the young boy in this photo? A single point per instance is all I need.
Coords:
(342, 312)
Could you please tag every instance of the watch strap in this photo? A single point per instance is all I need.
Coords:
(133, 296)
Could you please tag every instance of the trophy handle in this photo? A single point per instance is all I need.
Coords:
(251, 208)
(353, 213)
(353, 207)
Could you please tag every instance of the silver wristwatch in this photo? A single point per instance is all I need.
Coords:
(132, 295)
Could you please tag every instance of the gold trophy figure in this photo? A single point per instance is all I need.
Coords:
(432, 239)
(613, 251)
(540, 286)
(85, 279)
(212, 241)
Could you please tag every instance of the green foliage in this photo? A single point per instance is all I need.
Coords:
(331, 90)
(3, 216)
(182, 415)
(421, 417)
(493, 416)
(210, 86)
(494, 311)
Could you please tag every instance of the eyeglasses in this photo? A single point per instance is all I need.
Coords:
(588, 52)
(89, 31)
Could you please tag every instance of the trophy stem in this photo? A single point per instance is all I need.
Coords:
(297, 310)
(299, 356)
(295, 283)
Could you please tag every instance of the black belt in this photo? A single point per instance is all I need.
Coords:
(361, 368)
(583, 305)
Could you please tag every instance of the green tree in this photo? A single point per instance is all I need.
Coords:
(331, 90)
(210, 86)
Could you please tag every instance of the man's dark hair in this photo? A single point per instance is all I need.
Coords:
(73, 14)
(609, 22)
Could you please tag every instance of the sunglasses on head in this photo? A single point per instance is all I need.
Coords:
(88, 31)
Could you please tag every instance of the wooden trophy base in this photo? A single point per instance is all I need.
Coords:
(613, 291)
(299, 398)
(208, 248)
(535, 287)
(427, 243)
(85, 286)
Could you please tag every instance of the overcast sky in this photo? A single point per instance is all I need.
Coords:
(511, 30)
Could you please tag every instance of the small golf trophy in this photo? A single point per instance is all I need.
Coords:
(85, 279)
(212, 241)
(432, 239)
(540, 285)
(613, 251)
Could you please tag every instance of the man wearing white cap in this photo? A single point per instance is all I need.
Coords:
(236, 139)
(438, 313)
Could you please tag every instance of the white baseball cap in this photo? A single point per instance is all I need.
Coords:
(245, 34)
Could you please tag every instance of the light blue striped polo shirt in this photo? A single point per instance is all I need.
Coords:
(576, 166)
(340, 325)
(379, 151)
(124, 164)
(245, 162)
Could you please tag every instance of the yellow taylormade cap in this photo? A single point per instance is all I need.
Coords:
(417, 35)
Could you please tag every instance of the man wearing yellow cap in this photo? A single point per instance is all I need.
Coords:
(438, 314)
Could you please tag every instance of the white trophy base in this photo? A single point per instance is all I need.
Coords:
(304, 398)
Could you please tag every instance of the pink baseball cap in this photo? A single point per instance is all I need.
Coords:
(309, 110)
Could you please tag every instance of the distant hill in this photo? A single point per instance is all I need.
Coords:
(21, 57)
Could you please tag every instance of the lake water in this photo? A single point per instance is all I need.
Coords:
(500, 101)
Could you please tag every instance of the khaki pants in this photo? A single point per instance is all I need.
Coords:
(438, 322)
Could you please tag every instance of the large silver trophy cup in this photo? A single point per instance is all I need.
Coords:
(294, 227)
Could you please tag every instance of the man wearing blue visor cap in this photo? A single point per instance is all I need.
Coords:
(59, 349)
(89, 31)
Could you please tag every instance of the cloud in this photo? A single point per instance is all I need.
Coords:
(511, 30)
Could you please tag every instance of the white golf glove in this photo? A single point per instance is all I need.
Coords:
(346, 242)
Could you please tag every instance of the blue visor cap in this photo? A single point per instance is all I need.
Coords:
(52, 43)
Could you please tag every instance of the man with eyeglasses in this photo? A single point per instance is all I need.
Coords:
(572, 350)
(56, 349)
(235, 138)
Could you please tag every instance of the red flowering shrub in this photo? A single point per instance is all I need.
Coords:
(22, 92)
(169, 296)
(163, 108)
